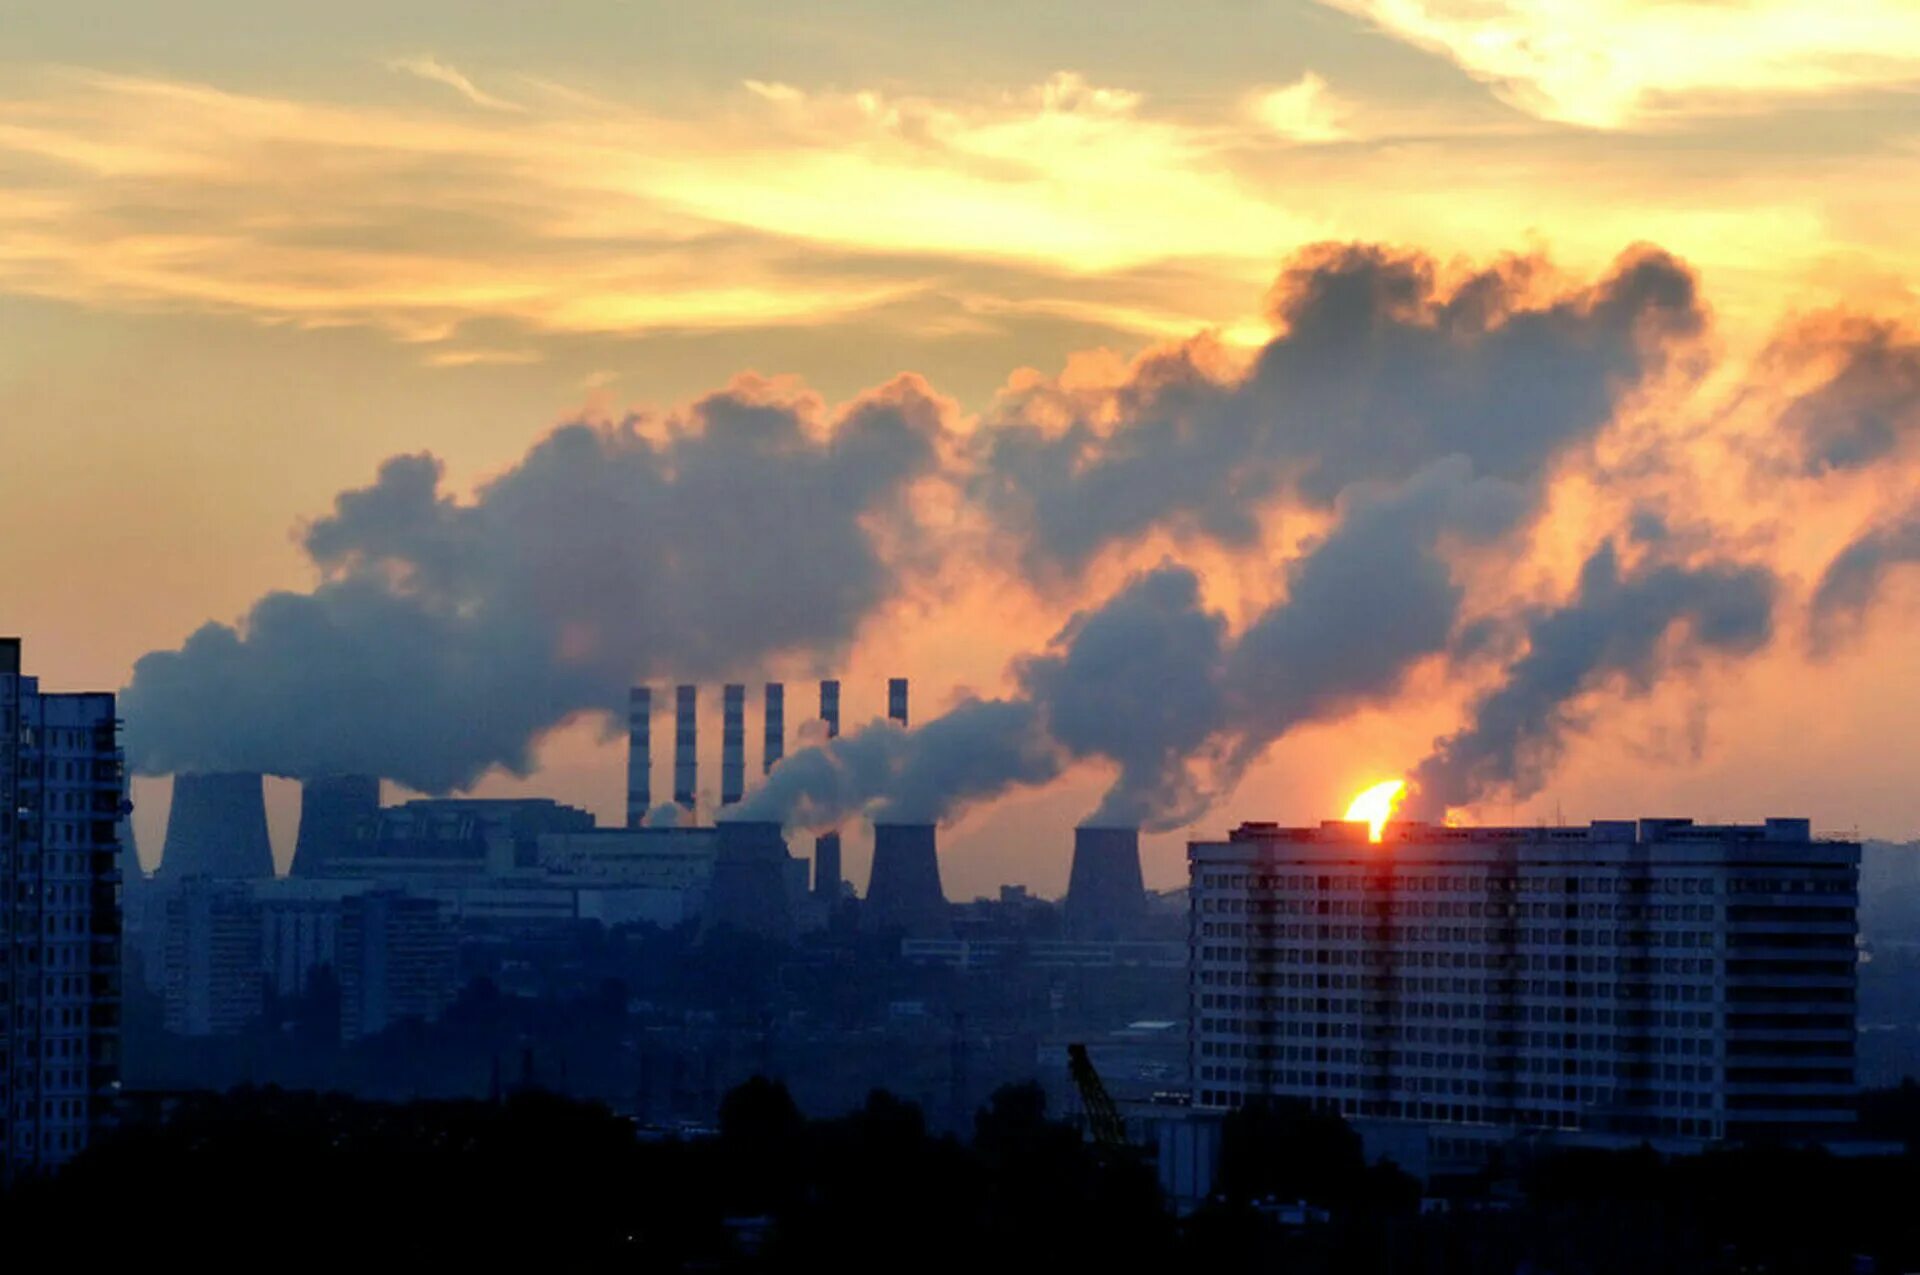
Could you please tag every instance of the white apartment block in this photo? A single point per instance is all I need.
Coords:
(61, 785)
(1661, 980)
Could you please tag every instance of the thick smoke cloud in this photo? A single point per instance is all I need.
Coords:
(447, 635)
(1380, 371)
(1152, 682)
(1867, 410)
(1620, 627)
(1853, 580)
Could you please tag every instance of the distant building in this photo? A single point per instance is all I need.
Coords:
(61, 789)
(455, 837)
(214, 975)
(1453, 988)
(397, 960)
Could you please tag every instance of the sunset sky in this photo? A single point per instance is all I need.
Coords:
(249, 252)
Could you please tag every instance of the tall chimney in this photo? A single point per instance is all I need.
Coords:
(218, 827)
(639, 755)
(897, 699)
(733, 743)
(904, 891)
(826, 867)
(686, 734)
(333, 809)
(773, 744)
(830, 706)
(1106, 898)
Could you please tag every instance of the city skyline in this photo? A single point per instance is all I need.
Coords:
(1645, 459)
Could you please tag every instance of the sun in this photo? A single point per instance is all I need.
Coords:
(1375, 806)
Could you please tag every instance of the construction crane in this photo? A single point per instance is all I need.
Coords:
(1103, 1118)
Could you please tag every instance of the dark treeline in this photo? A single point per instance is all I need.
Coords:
(269, 1178)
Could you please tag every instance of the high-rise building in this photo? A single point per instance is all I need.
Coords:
(61, 791)
(1462, 986)
(215, 981)
(398, 960)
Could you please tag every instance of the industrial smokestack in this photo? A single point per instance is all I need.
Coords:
(897, 699)
(826, 867)
(830, 706)
(333, 808)
(686, 736)
(639, 755)
(218, 827)
(1106, 898)
(903, 892)
(749, 887)
(733, 743)
(773, 743)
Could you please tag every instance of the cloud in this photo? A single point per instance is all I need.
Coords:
(430, 68)
(1619, 63)
(448, 635)
(1305, 111)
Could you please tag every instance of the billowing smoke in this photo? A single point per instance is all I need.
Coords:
(1857, 573)
(1152, 682)
(447, 635)
(1380, 371)
(1621, 628)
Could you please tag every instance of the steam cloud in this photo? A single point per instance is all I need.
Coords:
(1421, 414)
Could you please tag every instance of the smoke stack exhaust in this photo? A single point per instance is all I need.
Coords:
(903, 892)
(218, 827)
(733, 743)
(773, 743)
(897, 699)
(1106, 897)
(332, 810)
(686, 738)
(639, 755)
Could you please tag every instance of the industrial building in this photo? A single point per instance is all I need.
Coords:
(1451, 989)
(61, 796)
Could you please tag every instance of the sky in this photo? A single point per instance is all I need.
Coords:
(1213, 408)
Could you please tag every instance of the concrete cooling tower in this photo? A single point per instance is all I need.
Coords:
(903, 892)
(749, 887)
(333, 809)
(218, 827)
(1106, 898)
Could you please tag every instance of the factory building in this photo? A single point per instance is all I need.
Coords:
(61, 795)
(1451, 989)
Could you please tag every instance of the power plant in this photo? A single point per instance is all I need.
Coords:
(751, 869)
(773, 741)
(639, 755)
(333, 809)
(218, 827)
(733, 743)
(1106, 896)
(903, 891)
(686, 738)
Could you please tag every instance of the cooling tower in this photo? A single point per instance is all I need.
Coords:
(686, 736)
(733, 743)
(903, 893)
(897, 699)
(333, 808)
(218, 827)
(749, 887)
(830, 707)
(1106, 898)
(773, 744)
(826, 867)
(639, 755)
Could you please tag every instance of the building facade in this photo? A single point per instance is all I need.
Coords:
(61, 790)
(1660, 980)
